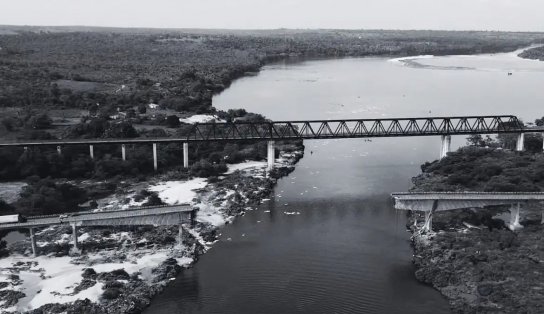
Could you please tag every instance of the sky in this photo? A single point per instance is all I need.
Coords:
(506, 15)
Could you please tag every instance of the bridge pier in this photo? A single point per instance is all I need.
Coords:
(520, 143)
(155, 164)
(74, 237)
(428, 225)
(446, 146)
(271, 155)
(124, 152)
(33, 242)
(59, 150)
(185, 155)
(514, 218)
(91, 151)
(180, 235)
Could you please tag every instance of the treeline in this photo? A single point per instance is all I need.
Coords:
(182, 71)
(485, 166)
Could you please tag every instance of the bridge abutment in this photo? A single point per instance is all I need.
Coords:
(520, 143)
(185, 155)
(446, 146)
(155, 163)
(271, 155)
(33, 242)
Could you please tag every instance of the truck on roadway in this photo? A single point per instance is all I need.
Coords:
(12, 218)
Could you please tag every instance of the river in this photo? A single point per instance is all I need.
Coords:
(329, 240)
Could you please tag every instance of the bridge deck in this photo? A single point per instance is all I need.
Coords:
(517, 196)
(320, 129)
(440, 201)
(106, 217)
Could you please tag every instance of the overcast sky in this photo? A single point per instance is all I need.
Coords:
(514, 15)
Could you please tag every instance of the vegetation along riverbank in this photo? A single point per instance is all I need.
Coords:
(472, 257)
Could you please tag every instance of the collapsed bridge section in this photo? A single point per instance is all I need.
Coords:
(431, 202)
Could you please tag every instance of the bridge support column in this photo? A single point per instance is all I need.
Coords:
(180, 235)
(124, 152)
(74, 237)
(428, 226)
(185, 155)
(91, 151)
(514, 218)
(155, 164)
(59, 150)
(520, 142)
(271, 155)
(446, 146)
(33, 242)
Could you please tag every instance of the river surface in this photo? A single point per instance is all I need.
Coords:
(329, 240)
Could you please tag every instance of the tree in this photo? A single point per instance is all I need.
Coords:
(142, 109)
(122, 129)
(41, 121)
(172, 121)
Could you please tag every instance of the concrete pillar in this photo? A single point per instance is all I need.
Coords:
(514, 218)
(180, 235)
(124, 152)
(74, 236)
(428, 226)
(33, 242)
(446, 146)
(520, 142)
(91, 151)
(185, 155)
(270, 155)
(155, 164)
(193, 216)
(59, 150)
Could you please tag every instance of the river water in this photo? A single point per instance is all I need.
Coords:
(329, 240)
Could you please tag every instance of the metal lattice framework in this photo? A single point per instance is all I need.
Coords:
(356, 128)
(321, 129)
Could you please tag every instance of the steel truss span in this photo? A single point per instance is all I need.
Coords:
(356, 128)
(321, 129)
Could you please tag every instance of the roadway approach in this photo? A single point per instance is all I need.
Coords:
(168, 215)
(432, 202)
(271, 131)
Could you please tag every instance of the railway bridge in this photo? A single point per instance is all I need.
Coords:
(168, 215)
(272, 131)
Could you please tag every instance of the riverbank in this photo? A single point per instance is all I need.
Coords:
(471, 256)
(121, 269)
